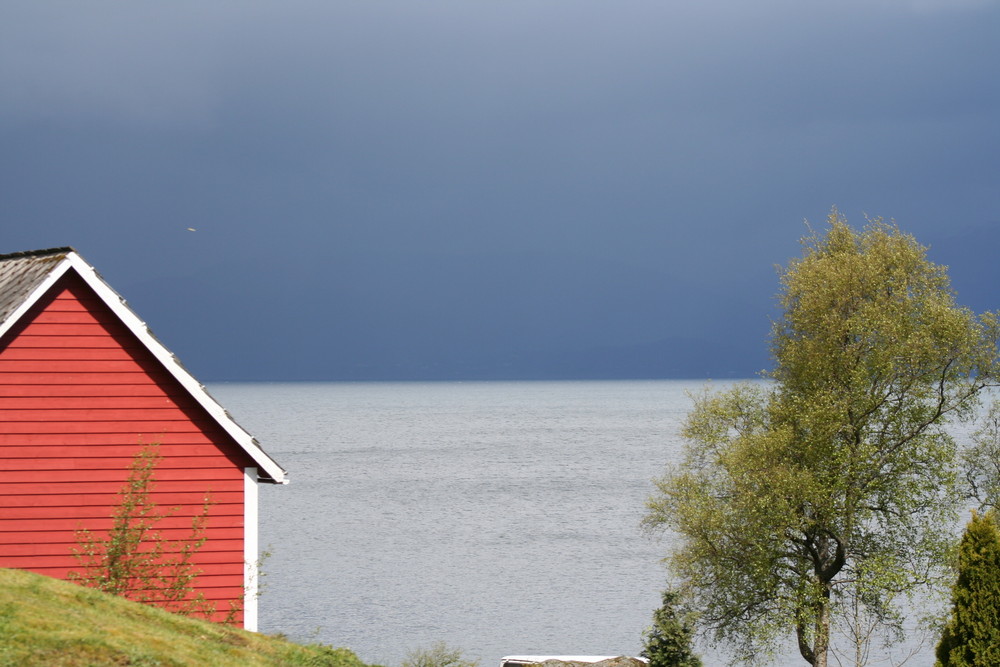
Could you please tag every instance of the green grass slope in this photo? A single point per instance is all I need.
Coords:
(44, 621)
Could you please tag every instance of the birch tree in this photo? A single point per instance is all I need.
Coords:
(833, 486)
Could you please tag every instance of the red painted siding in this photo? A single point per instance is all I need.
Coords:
(79, 396)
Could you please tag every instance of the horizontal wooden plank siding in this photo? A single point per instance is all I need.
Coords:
(53, 353)
(114, 440)
(220, 511)
(74, 458)
(146, 431)
(79, 397)
(55, 566)
(67, 390)
(54, 534)
(109, 499)
(43, 486)
(57, 550)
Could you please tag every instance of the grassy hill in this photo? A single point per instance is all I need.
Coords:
(44, 621)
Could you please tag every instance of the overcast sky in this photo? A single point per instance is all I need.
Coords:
(482, 189)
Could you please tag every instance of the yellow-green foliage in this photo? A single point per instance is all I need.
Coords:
(44, 621)
(815, 502)
(133, 560)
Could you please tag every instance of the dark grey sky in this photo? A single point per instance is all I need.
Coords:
(460, 189)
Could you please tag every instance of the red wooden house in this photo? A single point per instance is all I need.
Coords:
(83, 385)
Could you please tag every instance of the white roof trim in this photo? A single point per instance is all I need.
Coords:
(128, 317)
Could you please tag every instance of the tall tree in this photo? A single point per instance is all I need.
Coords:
(972, 636)
(832, 486)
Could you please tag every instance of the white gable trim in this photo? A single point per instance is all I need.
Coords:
(174, 367)
(162, 354)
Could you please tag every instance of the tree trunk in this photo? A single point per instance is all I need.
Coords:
(821, 641)
(816, 654)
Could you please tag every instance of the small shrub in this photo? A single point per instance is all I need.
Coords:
(669, 642)
(133, 560)
(438, 655)
(971, 637)
(328, 656)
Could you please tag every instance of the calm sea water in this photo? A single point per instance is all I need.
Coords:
(498, 517)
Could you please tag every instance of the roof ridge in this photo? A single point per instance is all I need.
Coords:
(37, 253)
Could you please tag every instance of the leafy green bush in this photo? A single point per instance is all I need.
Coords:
(668, 642)
(438, 655)
(133, 560)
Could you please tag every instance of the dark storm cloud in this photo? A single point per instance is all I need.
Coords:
(455, 189)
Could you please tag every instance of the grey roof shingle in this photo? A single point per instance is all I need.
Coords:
(21, 273)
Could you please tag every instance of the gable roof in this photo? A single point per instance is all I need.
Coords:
(26, 276)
